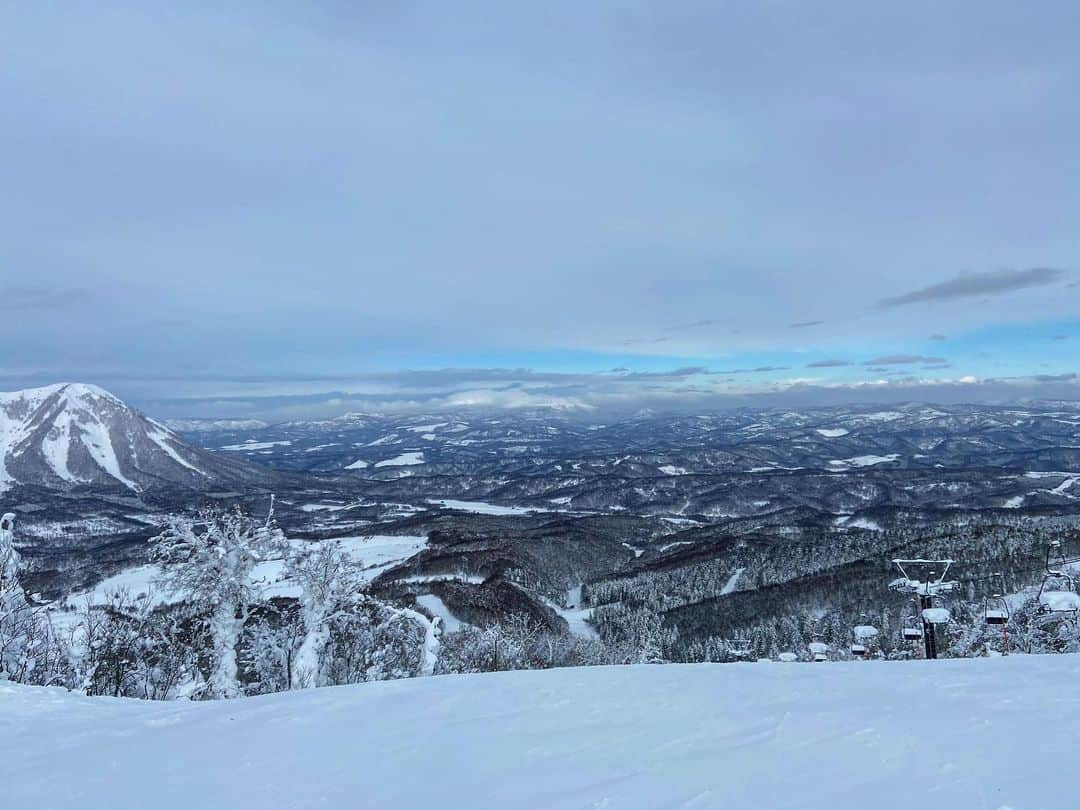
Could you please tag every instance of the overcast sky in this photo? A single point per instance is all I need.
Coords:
(287, 199)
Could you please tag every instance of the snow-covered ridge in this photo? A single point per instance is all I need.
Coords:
(76, 434)
(890, 735)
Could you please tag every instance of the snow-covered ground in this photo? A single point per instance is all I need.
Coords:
(864, 461)
(374, 554)
(254, 445)
(403, 460)
(832, 433)
(976, 734)
(437, 607)
(480, 508)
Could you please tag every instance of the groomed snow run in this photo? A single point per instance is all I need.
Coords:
(963, 734)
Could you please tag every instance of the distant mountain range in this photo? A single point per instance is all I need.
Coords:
(73, 436)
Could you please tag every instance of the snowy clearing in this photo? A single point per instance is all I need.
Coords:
(405, 459)
(252, 445)
(576, 616)
(480, 508)
(437, 607)
(864, 461)
(857, 523)
(838, 736)
(832, 433)
(733, 582)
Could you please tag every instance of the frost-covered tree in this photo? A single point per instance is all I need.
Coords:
(9, 557)
(29, 650)
(327, 581)
(270, 645)
(17, 620)
(375, 641)
(209, 560)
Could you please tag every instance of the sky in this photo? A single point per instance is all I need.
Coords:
(294, 208)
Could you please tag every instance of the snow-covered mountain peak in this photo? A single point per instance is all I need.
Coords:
(77, 434)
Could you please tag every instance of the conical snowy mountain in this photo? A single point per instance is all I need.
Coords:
(75, 435)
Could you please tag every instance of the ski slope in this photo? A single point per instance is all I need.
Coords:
(985, 734)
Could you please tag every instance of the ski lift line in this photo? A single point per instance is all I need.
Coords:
(924, 562)
(1039, 569)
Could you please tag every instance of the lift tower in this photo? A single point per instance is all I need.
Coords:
(925, 579)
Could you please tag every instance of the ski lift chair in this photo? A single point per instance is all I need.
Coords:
(912, 630)
(995, 608)
(1057, 594)
(1057, 597)
(739, 647)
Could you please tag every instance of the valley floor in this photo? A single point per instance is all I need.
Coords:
(982, 733)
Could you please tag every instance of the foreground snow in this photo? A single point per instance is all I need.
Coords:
(987, 734)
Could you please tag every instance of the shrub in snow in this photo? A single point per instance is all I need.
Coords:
(124, 648)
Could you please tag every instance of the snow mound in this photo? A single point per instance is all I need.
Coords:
(763, 736)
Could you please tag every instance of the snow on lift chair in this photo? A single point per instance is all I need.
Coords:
(912, 629)
(1057, 598)
(863, 633)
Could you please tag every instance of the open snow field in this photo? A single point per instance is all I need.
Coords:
(963, 734)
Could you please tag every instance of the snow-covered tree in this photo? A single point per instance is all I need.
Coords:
(9, 557)
(209, 559)
(29, 650)
(17, 620)
(327, 581)
(270, 645)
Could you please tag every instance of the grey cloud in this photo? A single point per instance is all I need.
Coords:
(38, 298)
(674, 374)
(904, 360)
(1060, 337)
(602, 196)
(937, 337)
(805, 324)
(829, 364)
(967, 285)
(758, 370)
(620, 395)
(694, 325)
